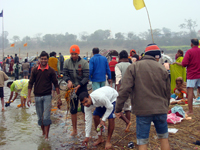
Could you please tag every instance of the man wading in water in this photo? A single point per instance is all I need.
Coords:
(42, 77)
(76, 73)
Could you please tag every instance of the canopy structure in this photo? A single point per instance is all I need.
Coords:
(166, 57)
(109, 54)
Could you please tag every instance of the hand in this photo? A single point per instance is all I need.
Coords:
(118, 86)
(110, 82)
(76, 88)
(85, 142)
(59, 103)
(103, 123)
(118, 115)
(29, 101)
(69, 85)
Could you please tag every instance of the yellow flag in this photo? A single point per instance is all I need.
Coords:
(25, 44)
(199, 44)
(12, 45)
(139, 4)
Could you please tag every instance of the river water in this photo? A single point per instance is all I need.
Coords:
(19, 130)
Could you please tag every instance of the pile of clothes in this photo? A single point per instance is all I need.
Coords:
(176, 115)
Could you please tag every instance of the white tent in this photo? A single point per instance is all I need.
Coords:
(166, 57)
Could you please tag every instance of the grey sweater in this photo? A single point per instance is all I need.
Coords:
(76, 71)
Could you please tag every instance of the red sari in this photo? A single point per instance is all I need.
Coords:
(11, 65)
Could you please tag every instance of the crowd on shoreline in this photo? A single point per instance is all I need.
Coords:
(142, 82)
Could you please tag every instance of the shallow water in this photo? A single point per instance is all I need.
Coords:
(19, 129)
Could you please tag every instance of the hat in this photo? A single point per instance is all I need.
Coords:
(132, 51)
(74, 49)
(153, 50)
(114, 58)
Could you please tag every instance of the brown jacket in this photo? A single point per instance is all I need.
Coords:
(42, 81)
(148, 84)
(3, 77)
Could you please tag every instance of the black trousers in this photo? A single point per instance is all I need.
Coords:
(74, 103)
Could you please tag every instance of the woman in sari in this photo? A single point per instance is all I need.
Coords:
(177, 70)
(11, 65)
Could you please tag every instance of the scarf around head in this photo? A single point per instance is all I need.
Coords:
(183, 86)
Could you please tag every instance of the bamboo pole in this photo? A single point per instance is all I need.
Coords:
(149, 23)
(2, 38)
(19, 53)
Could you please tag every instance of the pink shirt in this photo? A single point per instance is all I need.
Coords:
(192, 62)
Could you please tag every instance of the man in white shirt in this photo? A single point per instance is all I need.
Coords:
(103, 99)
(120, 70)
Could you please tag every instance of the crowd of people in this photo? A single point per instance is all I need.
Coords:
(24, 67)
(137, 84)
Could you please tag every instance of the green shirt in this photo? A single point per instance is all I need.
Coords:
(12, 87)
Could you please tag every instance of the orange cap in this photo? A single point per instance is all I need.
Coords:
(74, 49)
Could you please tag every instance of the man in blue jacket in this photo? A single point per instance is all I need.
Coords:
(98, 69)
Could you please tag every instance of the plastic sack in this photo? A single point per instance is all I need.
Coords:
(173, 118)
(173, 96)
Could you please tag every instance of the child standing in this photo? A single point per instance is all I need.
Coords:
(3, 77)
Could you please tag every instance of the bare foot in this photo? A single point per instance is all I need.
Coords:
(108, 145)
(128, 126)
(73, 133)
(99, 141)
(46, 139)
(2, 109)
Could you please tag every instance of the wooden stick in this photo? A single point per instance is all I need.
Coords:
(149, 23)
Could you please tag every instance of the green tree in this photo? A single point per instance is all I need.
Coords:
(84, 36)
(60, 39)
(119, 36)
(70, 37)
(132, 36)
(49, 40)
(38, 36)
(167, 32)
(5, 39)
(26, 39)
(16, 38)
(99, 35)
(190, 25)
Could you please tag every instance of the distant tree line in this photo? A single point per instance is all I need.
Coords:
(130, 40)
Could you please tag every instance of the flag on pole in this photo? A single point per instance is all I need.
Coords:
(12, 45)
(199, 44)
(1, 14)
(25, 44)
(139, 4)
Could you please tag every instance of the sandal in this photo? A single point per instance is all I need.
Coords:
(196, 143)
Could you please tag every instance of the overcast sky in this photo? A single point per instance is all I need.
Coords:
(29, 17)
